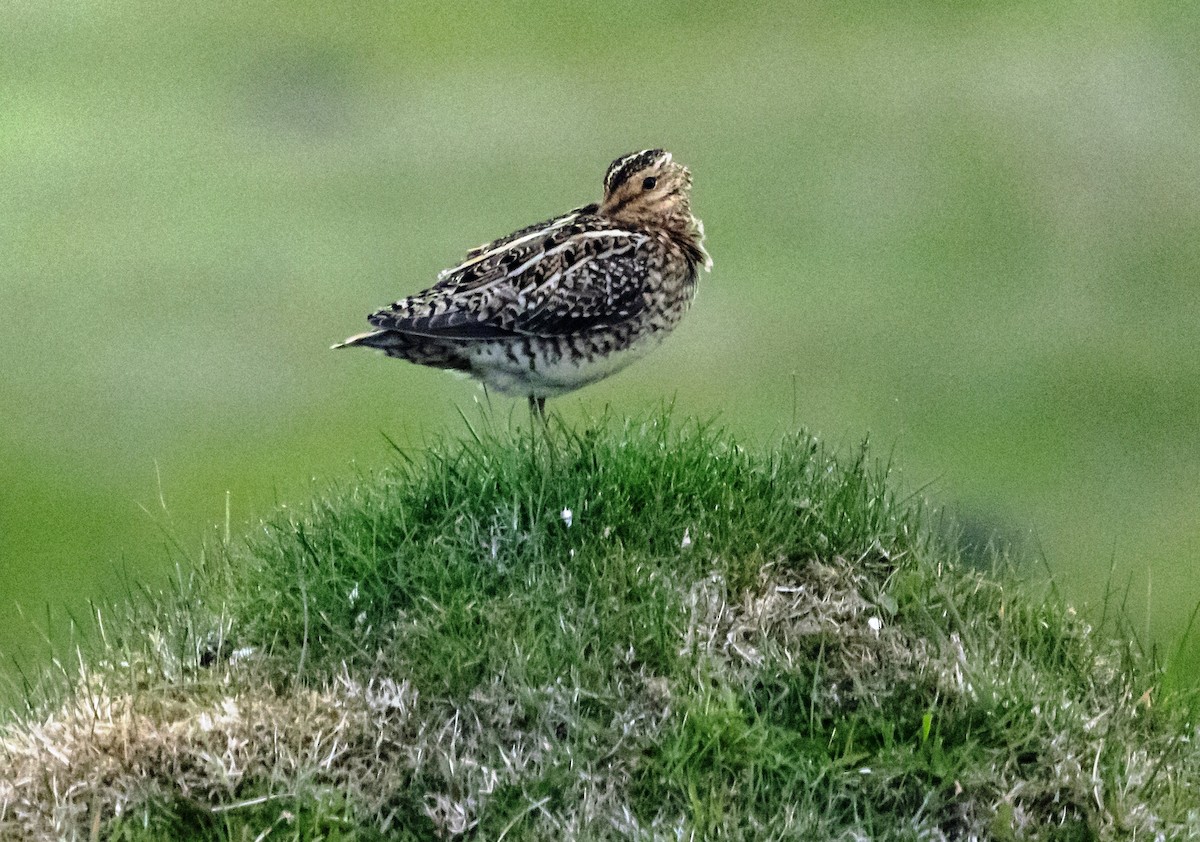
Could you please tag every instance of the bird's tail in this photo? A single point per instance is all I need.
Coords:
(358, 339)
(423, 350)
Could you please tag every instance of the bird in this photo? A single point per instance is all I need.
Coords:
(566, 302)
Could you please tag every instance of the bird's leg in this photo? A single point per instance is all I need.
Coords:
(537, 407)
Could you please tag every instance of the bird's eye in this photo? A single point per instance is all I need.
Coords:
(648, 183)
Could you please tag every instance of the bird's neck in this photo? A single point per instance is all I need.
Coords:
(678, 228)
(687, 233)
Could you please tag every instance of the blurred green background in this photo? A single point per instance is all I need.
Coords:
(971, 230)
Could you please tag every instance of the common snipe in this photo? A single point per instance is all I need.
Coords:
(565, 302)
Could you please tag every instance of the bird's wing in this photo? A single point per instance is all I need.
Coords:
(516, 238)
(564, 279)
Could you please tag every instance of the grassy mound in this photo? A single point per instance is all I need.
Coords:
(634, 630)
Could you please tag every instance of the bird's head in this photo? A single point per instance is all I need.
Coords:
(648, 188)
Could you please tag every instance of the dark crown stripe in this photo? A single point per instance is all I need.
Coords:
(622, 169)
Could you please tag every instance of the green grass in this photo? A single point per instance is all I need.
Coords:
(439, 647)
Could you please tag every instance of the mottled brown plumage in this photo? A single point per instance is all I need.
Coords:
(565, 302)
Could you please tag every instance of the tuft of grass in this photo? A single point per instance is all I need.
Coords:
(634, 629)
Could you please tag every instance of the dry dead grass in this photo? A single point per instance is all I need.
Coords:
(212, 736)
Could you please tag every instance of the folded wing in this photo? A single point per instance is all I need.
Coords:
(570, 275)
